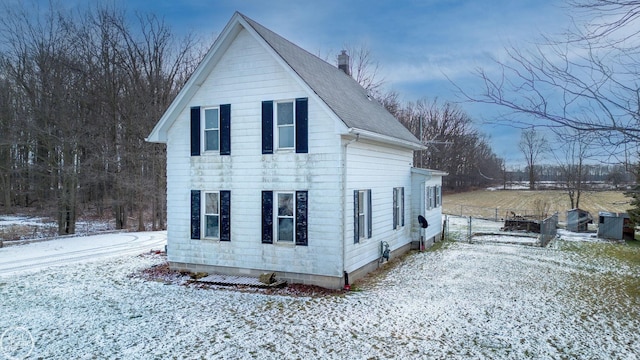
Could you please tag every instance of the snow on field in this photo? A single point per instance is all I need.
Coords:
(462, 301)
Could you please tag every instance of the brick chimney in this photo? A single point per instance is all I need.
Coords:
(343, 62)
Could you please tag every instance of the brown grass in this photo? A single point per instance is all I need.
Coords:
(485, 202)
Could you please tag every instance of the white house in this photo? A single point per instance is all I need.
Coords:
(279, 162)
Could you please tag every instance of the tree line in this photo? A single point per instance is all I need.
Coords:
(79, 91)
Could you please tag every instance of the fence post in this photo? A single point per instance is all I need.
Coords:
(469, 230)
(496, 214)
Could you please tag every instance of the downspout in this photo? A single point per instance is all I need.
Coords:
(347, 286)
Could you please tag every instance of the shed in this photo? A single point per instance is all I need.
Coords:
(578, 220)
(614, 226)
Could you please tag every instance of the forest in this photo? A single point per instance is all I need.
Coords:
(80, 90)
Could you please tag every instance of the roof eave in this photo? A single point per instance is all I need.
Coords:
(370, 135)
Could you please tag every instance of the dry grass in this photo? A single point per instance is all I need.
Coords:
(485, 202)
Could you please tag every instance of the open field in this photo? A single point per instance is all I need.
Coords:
(487, 203)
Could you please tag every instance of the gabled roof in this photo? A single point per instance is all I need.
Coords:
(349, 101)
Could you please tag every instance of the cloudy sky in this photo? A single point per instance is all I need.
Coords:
(418, 43)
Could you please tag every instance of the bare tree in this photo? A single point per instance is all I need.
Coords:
(576, 149)
(533, 145)
(365, 69)
(454, 145)
(585, 81)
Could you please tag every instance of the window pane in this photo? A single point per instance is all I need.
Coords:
(285, 204)
(212, 141)
(361, 225)
(285, 113)
(211, 203)
(212, 228)
(211, 119)
(361, 202)
(285, 229)
(285, 137)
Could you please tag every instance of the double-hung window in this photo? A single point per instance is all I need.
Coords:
(211, 215)
(285, 125)
(284, 217)
(398, 207)
(285, 203)
(362, 221)
(211, 218)
(211, 129)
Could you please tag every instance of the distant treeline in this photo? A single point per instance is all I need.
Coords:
(612, 174)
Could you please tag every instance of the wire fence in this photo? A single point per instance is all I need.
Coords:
(499, 213)
(521, 232)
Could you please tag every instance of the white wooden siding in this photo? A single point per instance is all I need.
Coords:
(379, 168)
(245, 76)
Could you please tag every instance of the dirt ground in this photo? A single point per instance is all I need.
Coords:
(488, 202)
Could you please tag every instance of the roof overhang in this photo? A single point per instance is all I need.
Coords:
(428, 172)
(372, 136)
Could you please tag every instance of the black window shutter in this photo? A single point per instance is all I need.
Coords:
(369, 218)
(195, 131)
(267, 217)
(225, 215)
(356, 222)
(395, 205)
(225, 129)
(402, 208)
(302, 126)
(301, 218)
(267, 127)
(195, 214)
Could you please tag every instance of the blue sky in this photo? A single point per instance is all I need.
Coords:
(418, 44)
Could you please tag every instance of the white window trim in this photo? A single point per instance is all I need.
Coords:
(399, 207)
(203, 125)
(276, 135)
(276, 217)
(363, 231)
(203, 217)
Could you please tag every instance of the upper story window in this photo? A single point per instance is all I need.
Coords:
(285, 125)
(211, 129)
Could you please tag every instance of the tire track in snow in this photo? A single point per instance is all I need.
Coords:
(130, 247)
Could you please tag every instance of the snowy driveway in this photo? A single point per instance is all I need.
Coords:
(64, 251)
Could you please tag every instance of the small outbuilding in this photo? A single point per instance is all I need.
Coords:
(578, 220)
(615, 226)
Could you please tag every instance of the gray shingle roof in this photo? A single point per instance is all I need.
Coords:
(348, 100)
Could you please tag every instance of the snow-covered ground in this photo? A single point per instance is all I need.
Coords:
(461, 301)
(24, 227)
(35, 256)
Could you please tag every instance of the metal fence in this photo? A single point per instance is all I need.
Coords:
(473, 229)
(493, 213)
